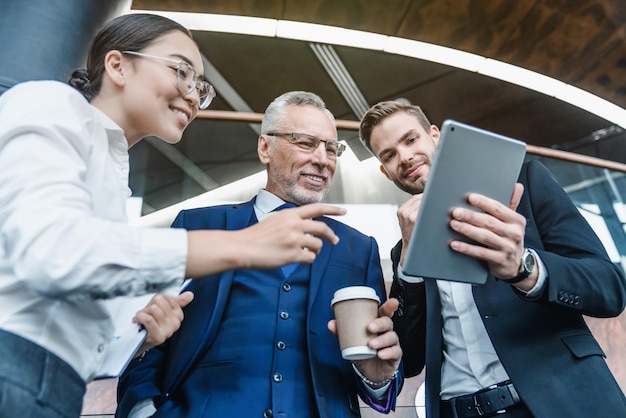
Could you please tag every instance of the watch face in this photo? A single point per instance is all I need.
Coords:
(529, 261)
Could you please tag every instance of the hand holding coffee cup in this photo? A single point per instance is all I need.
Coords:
(355, 307)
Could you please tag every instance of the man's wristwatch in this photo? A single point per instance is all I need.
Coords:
(526, 268)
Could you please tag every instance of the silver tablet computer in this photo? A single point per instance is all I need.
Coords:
(467, 160)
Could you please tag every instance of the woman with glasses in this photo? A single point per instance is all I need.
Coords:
(65, 246)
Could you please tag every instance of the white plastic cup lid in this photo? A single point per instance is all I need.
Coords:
(354, 292)
(360, 352)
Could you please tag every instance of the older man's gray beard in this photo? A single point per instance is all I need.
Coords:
(300, 195)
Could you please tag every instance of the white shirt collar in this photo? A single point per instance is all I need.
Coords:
(113, 130)
(266, 201)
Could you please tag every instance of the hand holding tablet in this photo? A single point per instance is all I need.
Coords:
(467, 160)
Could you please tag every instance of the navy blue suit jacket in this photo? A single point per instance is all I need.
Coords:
(353, 261)
(545, 346)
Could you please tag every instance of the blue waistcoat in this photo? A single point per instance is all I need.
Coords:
(269, 369)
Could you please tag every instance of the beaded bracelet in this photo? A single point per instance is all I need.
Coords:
(374, 385)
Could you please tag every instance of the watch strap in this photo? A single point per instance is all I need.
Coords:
(518, 278)
(524, 271)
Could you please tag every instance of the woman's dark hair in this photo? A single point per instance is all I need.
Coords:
(131, 32)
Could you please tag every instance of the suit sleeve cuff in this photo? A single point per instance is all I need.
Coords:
(385, 403)
(382, 399)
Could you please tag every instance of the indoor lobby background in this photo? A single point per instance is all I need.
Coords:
(550, 73)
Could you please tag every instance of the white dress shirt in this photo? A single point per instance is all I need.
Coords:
(64, 242)
(470, 361)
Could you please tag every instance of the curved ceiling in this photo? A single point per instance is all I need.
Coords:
(579, 43)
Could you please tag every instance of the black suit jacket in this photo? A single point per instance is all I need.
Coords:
(545, 346)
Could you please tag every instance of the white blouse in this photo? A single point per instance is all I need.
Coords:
(65, 245)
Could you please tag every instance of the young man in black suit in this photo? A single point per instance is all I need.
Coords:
(517, 346)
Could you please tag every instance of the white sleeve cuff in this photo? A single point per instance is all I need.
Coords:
(407, 278)
(378, 394)
(143, 409)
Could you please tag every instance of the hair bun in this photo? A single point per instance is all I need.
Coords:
(80, 80)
